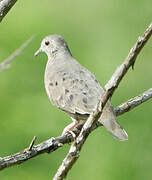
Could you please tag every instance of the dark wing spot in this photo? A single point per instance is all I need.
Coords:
(75, 81)
(84, 100)
(69, 102)
(96, 81)
(81, 71)
(71, 97)
(66, 91)
(56, 83)
(92, 76)
(63, 79)
(86, 106)
(84, 93)
(86, 85)
(51, 84)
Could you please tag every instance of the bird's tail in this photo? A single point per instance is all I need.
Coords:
(108, 119)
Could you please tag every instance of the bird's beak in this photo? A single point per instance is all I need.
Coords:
(37, 52)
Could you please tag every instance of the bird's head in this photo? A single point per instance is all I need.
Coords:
(53, 45)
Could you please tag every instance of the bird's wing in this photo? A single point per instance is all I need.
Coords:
(76, 90)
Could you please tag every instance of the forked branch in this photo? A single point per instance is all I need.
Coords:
(53, 144)
(110, 87)
(82, 132)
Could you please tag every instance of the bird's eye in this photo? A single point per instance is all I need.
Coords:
(47, 43)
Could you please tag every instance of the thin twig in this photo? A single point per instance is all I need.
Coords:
(5, 6)
(132, 103)
(113, 83)
(53, 144)
(32, 143)
(6, 63)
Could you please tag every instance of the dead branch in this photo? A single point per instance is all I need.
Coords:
(113, 83)
(134, 102)
(82, 132)
(5, 6)
(53, 144)
(6, 63)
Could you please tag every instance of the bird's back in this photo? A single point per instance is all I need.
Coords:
(71, 87)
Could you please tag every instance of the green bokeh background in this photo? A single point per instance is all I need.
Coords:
(100, 34)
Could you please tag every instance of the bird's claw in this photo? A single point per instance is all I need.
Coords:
(73, 134)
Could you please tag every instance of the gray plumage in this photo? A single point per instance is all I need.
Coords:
(74, 89)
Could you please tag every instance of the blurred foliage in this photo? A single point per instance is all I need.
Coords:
(100, 34)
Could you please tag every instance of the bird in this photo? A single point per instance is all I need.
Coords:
(74, 89)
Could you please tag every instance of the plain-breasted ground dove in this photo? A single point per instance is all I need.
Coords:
(74, 89)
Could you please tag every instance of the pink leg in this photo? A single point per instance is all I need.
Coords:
(70, 126)
(79, 125)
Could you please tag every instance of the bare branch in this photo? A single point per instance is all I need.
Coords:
(6, 63)
(53, 144)
(5, 6)
(132, 103)
(113, 83)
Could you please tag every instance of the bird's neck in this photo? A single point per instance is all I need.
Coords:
(59, 54)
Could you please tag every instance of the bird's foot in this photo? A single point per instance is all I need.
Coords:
(69, 131)
(73, 134)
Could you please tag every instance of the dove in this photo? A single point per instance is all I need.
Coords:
(73, 88)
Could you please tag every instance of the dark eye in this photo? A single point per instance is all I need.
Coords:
(47, 43)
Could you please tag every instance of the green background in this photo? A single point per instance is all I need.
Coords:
(100, 34)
